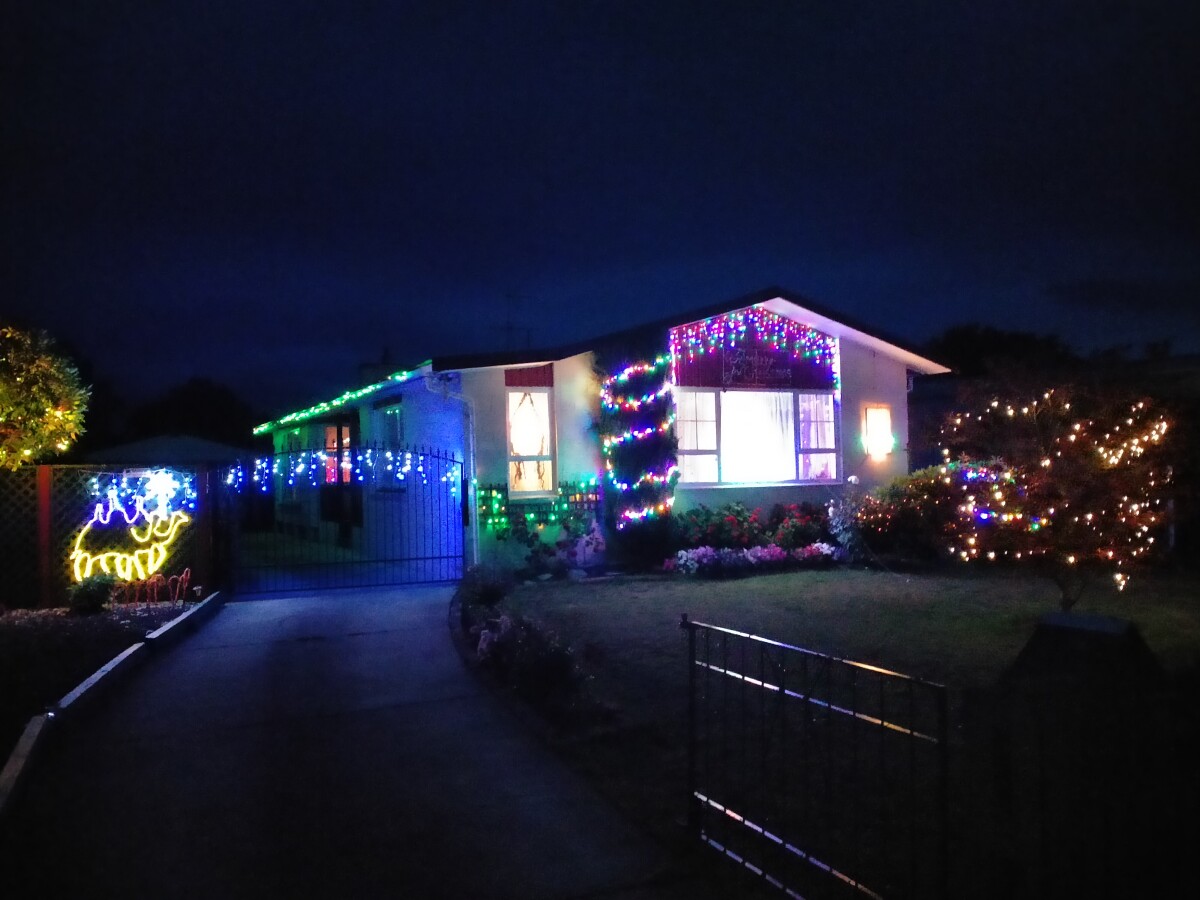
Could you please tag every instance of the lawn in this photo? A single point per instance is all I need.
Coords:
(45, 653)
(960, 629)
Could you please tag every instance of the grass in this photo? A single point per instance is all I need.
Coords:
(45, 653)
(961, 629)
(958, 629)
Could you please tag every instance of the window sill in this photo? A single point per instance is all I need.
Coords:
(727, 485)
(531, 495)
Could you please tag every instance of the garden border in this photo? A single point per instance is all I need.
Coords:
(25, 754)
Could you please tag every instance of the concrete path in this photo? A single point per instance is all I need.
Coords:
(318, 747)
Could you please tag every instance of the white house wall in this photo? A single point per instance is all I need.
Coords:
(870, 378)
(577, 401)
(576, 398)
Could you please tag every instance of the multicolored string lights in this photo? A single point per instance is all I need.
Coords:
(1079, 488)
(757, 326)
(638, 411)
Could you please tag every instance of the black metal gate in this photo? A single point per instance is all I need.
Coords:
(821, 776)
(367, 516)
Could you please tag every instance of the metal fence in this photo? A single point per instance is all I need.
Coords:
(822, 776)
(365, 516)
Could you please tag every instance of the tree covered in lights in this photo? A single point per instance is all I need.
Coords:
(42, 399)
(1070, 482)
(638, 442)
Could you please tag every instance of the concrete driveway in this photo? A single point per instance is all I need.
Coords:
(320, 746)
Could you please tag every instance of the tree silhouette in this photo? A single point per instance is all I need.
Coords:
(199, 407)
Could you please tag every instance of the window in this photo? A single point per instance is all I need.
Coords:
(818, 437)
(391, 426)
(530, 442)
(337, 454)
(696, 425)
(748, 437)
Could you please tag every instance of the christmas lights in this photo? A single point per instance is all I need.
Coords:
(155, 530)
(330, 405)
(788, 352)
(381, 468)
(573, 500)
(639, 448)
(1076, 490)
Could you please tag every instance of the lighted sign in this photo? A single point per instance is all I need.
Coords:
(131, 532)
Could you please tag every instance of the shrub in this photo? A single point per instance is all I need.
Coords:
(730, 526)
(531, 660)
(90, 595)
(641, 546)
(484, 585)
(846, 527)
(733, 525)
(909, 518)
(798, 525)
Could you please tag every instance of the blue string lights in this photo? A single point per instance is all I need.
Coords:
(312, 468)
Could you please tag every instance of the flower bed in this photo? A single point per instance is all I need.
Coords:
(733, 540)
(725, 562)
(733, 525)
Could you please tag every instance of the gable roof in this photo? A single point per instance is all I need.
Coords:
(790, 305)
(644, 341)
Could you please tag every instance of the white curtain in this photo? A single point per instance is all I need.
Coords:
(529, 439)
(816, 422)
(758, 437)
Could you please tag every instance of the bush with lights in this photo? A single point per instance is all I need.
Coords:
(1068, 483)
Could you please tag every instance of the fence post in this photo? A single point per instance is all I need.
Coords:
(206, 513)
(45, 482)
(943, 735)
(693, 818)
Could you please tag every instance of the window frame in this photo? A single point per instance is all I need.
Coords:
(511, 457)
(715, 450)
(798, 451)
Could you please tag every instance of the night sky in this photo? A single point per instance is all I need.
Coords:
(270, 194)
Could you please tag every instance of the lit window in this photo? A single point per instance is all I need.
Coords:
(878, 439)
(758, 436)
(748, 437)
(696, 426)
(337, 454)
(530, 442)
(817, 437)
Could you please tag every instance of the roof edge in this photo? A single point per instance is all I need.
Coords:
(318, 409)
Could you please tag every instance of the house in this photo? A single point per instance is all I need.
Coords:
(772, 399)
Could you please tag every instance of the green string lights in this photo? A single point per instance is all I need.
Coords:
(330, 405)
(573, 502)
